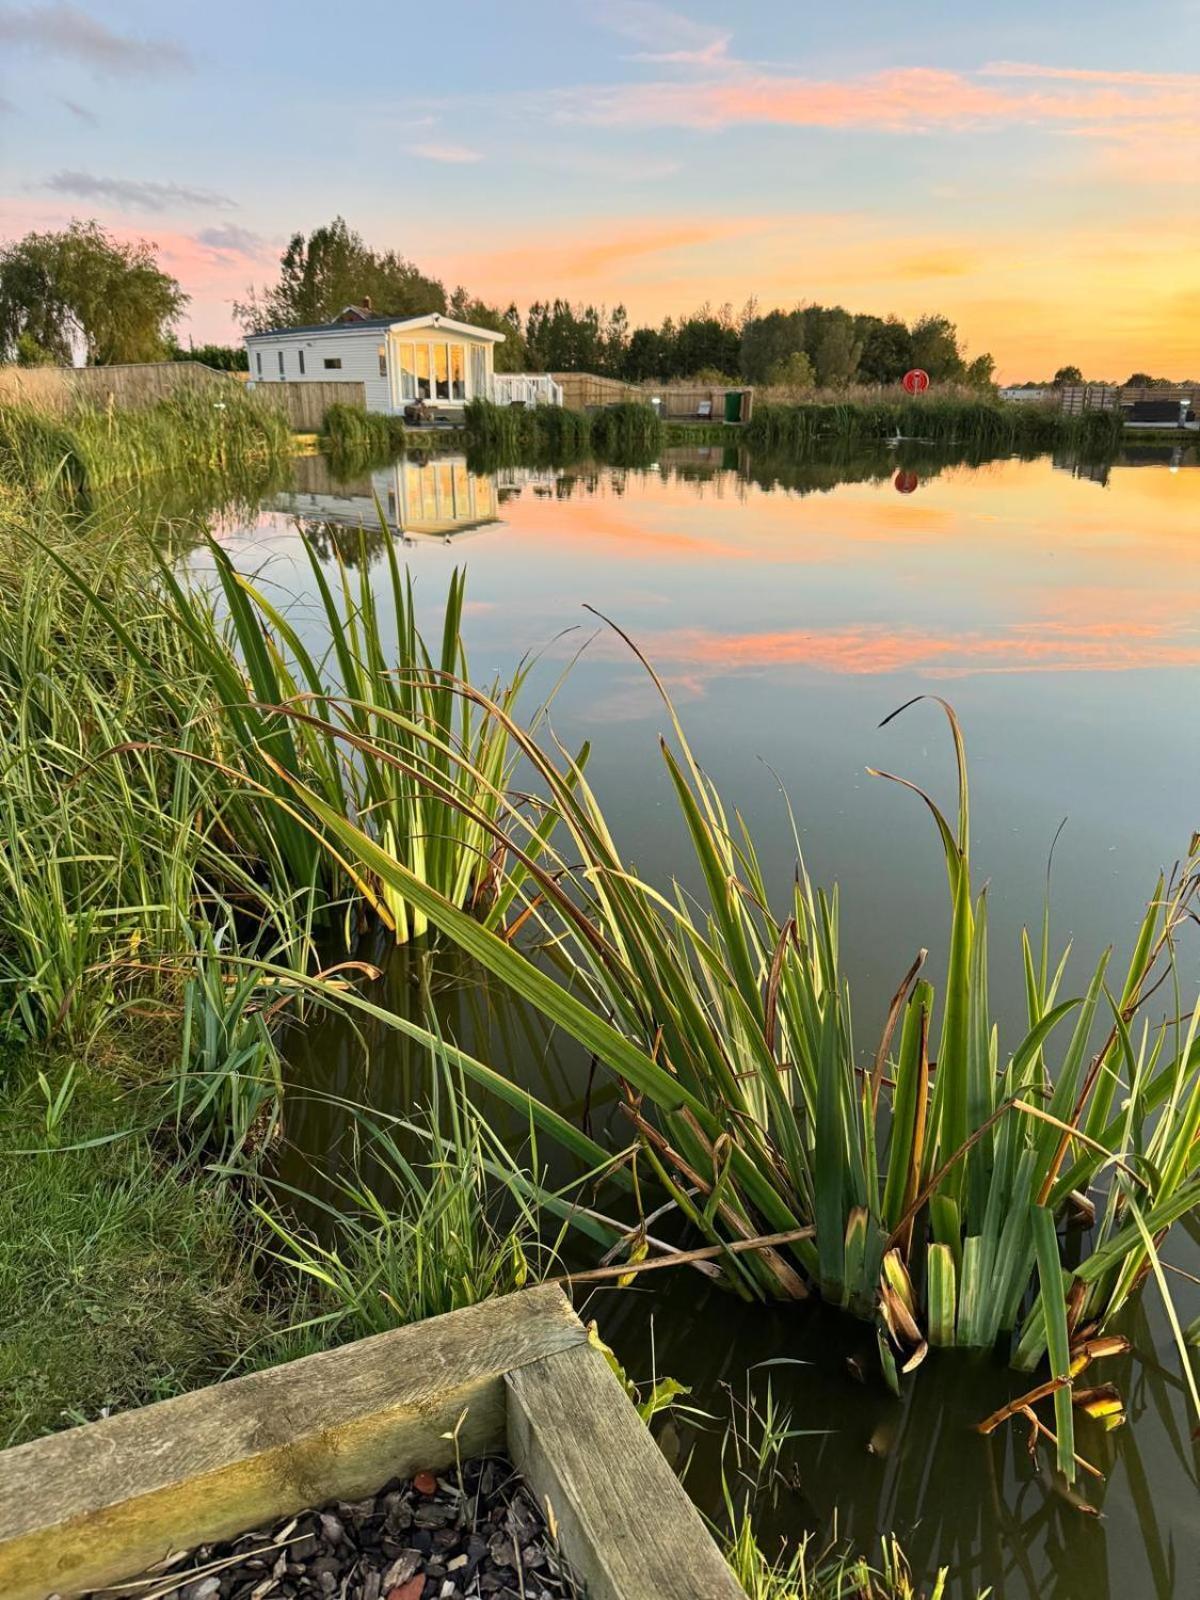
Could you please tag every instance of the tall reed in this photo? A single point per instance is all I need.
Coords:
(964, 422)
(358, 438)
(927, 1199)
(89, 446)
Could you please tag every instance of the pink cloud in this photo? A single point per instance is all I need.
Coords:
(1149, 80)
(910, 99)
(451, 154)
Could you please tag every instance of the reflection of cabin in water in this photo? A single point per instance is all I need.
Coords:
(440, 498)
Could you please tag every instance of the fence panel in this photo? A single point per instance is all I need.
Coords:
(124, 387)
(306, 402)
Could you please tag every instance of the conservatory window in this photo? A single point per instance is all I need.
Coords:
(408, 373)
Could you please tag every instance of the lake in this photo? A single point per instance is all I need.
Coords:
(789, 609)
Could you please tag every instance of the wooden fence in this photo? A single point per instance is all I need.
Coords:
(585, 391)
(582, 391)
(306, 403)
(124, 387)
(1080, 397)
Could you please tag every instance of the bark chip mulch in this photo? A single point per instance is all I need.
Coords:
(432, 1537)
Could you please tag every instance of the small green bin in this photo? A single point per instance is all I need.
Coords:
(733, 405)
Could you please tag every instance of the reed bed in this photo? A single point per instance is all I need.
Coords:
(630, 431)
(927, 1198)
(963, 422)
(358, 438)
(427, 772)
(93, 446)
(537, 430)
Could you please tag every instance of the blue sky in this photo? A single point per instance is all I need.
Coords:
(1032, 170)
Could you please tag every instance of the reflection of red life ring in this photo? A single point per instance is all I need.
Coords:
(905, 482)
(915, 381)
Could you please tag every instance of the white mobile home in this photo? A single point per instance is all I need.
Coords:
(398, 360)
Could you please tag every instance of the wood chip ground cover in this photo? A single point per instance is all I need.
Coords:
(442, 1537)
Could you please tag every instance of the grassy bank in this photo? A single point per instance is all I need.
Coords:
(126, 1275)
(90, 447)
(156, 938)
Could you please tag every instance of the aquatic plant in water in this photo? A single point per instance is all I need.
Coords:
(922, 1186)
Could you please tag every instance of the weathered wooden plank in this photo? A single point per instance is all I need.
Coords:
(622, 1515)
(102, 1502)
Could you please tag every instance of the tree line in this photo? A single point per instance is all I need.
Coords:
(332, 267)
(81, 291)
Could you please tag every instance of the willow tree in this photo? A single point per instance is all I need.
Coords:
(82, 290)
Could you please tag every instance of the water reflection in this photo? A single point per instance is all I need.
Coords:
(790, 604)
(433, 497)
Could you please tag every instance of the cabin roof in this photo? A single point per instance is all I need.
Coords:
(377, 325)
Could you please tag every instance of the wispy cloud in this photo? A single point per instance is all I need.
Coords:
(909, 100)
(83, 113)
(69, 33)
(1147, 80)
(451, 154)
(135, 193)
(664, 35)
(231, 240)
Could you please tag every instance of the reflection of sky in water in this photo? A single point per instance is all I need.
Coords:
(1062, 618)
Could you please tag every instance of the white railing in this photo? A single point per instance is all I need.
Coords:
(526, 388)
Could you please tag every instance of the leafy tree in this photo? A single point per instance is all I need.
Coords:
(511, 356)
(704, 340)
(81, 287)
(935, 348)
(980, 373)
(1143, 380)
(330, 269)
(643, 355)
(1066, 375)
(833, 345)
(887, 351)
(794, 372)
(225, 357)
(768, 340)
(30, 353)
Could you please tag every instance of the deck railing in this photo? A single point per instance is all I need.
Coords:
(526, 388)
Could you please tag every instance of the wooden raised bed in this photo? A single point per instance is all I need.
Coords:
(101, 1503)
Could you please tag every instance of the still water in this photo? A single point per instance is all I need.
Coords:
(789, 610)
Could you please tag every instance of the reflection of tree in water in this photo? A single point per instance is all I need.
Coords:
(355, 546)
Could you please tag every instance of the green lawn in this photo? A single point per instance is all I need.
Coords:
(123, 1278)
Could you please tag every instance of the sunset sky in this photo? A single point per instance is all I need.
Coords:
(1032, 170)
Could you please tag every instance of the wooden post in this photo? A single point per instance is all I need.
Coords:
(622, 1515)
